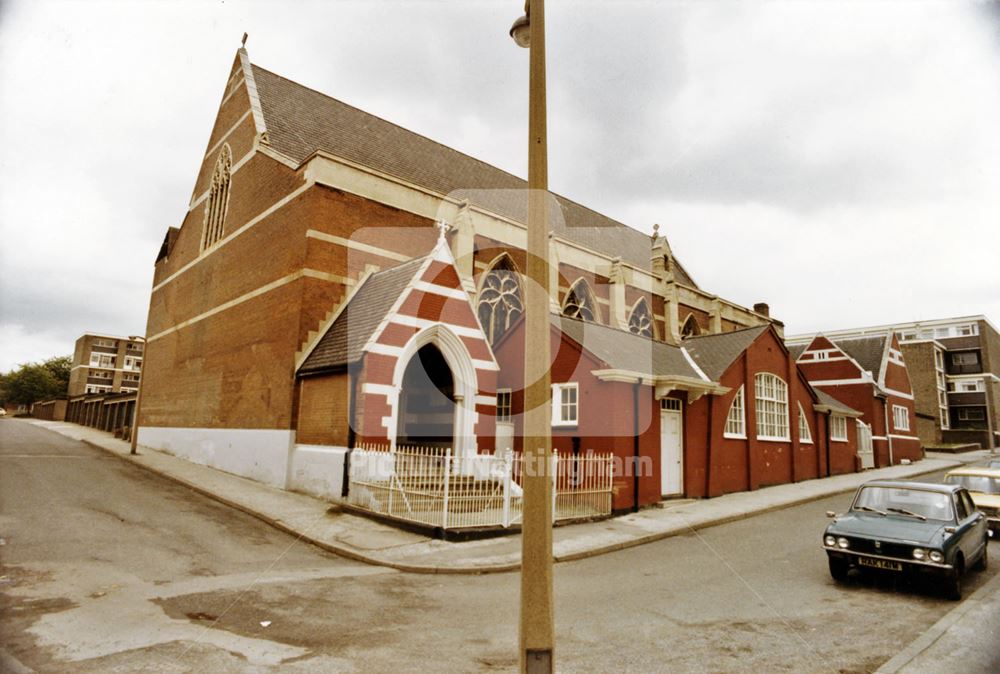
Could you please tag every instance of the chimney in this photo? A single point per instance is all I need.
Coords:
(762, 308)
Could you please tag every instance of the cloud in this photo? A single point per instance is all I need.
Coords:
(756, 133)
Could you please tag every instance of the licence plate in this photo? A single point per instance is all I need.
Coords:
(880, 564)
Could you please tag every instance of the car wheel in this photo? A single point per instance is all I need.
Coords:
(953, 584)
(984, 560)
(838, 569)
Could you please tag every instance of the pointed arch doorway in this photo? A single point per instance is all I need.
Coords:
(445, 375)
(427, 401)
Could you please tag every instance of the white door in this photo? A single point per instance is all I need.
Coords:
(865, 451)
(671, 447)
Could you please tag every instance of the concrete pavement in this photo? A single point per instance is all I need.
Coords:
(363, 539)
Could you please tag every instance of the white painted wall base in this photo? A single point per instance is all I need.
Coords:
(259, 454)
(317, 470)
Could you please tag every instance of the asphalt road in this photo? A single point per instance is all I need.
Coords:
(107, 568)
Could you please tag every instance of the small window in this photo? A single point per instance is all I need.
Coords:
(503, 405)
(565, 404)
(838, 428)
(938, 359)
(805, 435)
(821, 355)
(670, 404)
(960, 506)
(970, 506)
(967, 330)
(900, 418)
(942, 332)
(736, 423)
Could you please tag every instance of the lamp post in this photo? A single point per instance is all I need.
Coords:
(134, 439)
(537, 624)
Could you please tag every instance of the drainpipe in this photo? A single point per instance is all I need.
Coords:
(352, 437)
(710, 401)
(635, 444)
(828, 415)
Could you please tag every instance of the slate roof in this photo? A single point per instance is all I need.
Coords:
(825, 398)
(345, 339)
(715, 353)
(622, 350)
(866, 350)
(301, 121)
(796, 349)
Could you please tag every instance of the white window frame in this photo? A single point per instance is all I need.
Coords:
(566, 407)
(976, 384)
(97, 359)
(133, 363)
(771, 407)
(805, 434)
(504, 400)
(838, 428)
(900, 418)
(736, 419)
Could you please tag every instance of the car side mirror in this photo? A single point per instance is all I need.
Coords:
(950, 530)
(830, 513)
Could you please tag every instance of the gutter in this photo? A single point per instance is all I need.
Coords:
(635, 445)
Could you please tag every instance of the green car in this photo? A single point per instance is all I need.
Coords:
(909, 528)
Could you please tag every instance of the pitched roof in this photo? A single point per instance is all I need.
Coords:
(623, 350)
(715, 353)
(867, 351)
(825, 398)
(345, 339)
(301, 121)
(796, 349)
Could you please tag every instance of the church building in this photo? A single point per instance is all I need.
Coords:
(339, 280)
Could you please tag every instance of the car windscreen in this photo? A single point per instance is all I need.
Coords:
(980, 483)
(899, 501)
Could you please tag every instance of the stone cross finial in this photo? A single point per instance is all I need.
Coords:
(245, 36)
(443, 228)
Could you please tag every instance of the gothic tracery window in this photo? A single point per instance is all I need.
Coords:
(640, 321)
(579, 302)
(500, 301)
(218, 199)
(690, 327)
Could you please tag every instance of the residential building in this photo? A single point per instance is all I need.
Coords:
(105, 364)
(954, 366)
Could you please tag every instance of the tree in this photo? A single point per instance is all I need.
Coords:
(32, 382)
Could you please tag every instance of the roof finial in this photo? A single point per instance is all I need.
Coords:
(443, 228)
(656, 232)
(245, 36)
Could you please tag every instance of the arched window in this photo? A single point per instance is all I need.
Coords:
(690, 327)
(772, 407)
(218, 199)
(736, 421)
(640, 321)
(500, 301)
(580, 303)
(805, 435)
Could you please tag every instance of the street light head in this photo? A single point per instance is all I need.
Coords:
(521, 32)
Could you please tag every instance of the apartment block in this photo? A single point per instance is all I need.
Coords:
(106, 364)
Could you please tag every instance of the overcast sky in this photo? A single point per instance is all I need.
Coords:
(838, 160)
